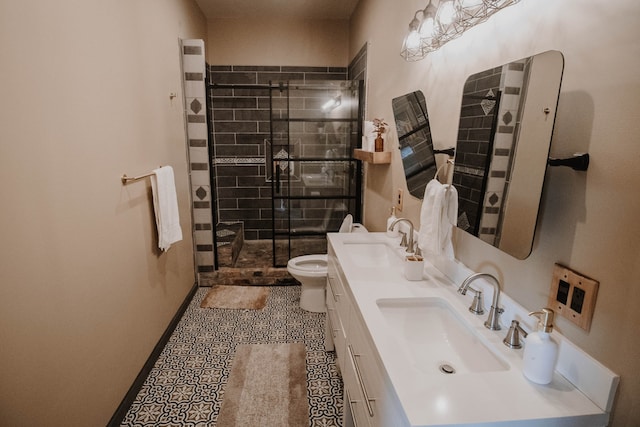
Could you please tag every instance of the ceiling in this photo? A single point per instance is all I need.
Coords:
(300, 9)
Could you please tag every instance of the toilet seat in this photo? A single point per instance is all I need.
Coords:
(309, 265)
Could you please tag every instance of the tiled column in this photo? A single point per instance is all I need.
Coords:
(193, 78)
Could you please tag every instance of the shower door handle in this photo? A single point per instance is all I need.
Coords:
(276, 167)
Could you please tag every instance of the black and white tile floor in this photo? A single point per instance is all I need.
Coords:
(186, 386)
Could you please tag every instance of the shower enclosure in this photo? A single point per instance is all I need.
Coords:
(293, 179)
(315, 181)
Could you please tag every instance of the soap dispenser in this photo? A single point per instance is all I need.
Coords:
(390, 220)
(540, 351)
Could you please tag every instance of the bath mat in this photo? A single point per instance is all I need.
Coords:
(267, 387)
(236, 297)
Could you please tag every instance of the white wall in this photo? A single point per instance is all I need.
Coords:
(589, 221)
(84, 293)
(278, 41)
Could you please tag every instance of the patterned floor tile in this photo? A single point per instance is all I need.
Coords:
(186, 385)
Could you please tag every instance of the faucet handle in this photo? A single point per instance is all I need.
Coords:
(403, 241)
(477, 306)
(512, 340)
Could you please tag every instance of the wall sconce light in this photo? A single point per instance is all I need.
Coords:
(332, 103)
(434, 26)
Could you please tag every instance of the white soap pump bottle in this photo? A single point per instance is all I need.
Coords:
(540, 351)
(390, 220)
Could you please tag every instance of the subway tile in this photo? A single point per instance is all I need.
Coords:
(196, 118)
(265, 77)
(197, 143)
(273, 68)
(236, 150)
(252, 138)
(325, 76)
(235, 127)
(253, 115)
(194, 76)
(224, 138)
(234, 102)
(234, 77)
(191, 50)
(225, 115)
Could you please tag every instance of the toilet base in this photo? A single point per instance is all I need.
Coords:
(312, 298)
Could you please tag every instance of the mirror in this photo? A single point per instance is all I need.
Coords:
(504, 135)
(416, 145)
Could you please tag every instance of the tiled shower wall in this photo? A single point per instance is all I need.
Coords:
(245, 116)
(239, 127)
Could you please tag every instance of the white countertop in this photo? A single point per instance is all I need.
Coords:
(435, 399)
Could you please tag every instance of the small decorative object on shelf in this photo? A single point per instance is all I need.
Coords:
(380, 127)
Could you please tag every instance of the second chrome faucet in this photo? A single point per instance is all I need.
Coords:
(410, 245)
(492, 322)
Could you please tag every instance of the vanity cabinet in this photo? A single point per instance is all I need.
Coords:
(368, 402)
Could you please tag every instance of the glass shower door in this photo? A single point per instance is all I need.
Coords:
(315, 180)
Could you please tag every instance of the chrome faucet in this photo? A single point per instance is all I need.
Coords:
(409, 234)
(494, 313)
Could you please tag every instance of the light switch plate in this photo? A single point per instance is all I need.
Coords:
(573, 296)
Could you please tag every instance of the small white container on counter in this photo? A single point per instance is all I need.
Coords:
(413, 266)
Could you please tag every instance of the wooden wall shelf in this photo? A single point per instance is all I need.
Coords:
(380, 158)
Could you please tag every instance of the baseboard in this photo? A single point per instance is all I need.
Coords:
(131, 395)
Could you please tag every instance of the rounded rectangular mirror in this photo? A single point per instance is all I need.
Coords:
(506, 123)
(416, 145)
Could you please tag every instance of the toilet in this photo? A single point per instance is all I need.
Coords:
(311, 272)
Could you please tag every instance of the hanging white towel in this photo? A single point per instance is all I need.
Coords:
(438, 216)
(165, 206)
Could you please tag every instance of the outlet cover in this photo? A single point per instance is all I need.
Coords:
(399, 199)
(573, 296)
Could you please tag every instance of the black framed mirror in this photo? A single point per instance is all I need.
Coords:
(506, 123)
(414, 137)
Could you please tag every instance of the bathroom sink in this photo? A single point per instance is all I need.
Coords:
(369, 255)
(435, 338)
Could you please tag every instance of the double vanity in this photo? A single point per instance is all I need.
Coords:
(411, 353)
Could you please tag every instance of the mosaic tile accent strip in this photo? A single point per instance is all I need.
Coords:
(193, 80)
(239, 161)
(186, 385)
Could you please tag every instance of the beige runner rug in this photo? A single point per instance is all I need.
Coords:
(267, 387)
(236, 297)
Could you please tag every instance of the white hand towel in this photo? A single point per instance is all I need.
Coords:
(437, 219)
(165, 206)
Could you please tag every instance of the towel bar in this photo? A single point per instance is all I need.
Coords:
(125, 179)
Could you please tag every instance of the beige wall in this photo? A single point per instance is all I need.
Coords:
(269, 41)
(84, 293)
(589, 221)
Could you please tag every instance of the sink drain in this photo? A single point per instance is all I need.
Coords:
(447, 369)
